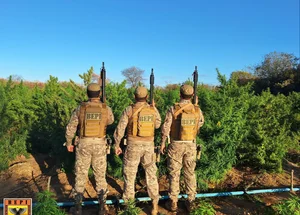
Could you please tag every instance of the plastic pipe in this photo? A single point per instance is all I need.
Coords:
(199, 195)
(233, 193)
(270, 190)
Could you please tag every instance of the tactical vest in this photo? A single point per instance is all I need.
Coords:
(142, 121)
(184, 123)
(93, 119)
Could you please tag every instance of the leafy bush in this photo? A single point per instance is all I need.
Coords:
(224, 128)
(203, 208)
(294, 119)
(46, 205)
(131, 209)
(115, 166)
(17, 114)
(289, 206)
(268, 132)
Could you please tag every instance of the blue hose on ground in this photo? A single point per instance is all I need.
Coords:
(199, 195)
(270, 190)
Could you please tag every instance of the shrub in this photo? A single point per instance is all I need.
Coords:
(224, 128)
(46, 205)
(131, 209)
(17, 114)
(203, 208)
(289, 206)
(268, 132)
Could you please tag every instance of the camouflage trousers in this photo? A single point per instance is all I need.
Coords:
(89, 152)
(182, 154)
(135, 153)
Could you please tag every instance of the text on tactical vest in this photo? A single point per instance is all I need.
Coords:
(146, 118)
(93, 116)
(188, 121)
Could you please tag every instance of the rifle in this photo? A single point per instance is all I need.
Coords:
(102, 83)
(195, 79)
(151, 86)
(156, 149)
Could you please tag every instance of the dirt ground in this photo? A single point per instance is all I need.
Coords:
(26, 177)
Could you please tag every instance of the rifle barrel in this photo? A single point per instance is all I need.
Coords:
(151, 85)
(195, 77)
(103, 78)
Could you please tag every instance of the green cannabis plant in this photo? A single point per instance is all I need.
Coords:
(203, 208)
(289, 206)
(46, 205)
(130, 209)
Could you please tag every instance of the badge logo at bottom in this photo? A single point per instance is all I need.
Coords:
(17, 206)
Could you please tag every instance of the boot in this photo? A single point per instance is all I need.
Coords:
(172, 205)
(78, 202)
(103, 209)
(154, 208)
(190, 205)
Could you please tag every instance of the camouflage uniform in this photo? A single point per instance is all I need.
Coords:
(140, 149)
(181, 153)
(90, 150)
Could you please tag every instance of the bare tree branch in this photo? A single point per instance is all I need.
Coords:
(134, 76)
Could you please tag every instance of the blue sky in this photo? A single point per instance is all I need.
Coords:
(64, 38)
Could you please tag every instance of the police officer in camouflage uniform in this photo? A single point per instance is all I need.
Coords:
(182, 123)
(141, 119)
(92, 118)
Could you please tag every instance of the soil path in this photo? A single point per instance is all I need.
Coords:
(27, 176)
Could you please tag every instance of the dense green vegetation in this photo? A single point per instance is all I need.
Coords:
(204, 207)
(130, 209)
(46, 204)
(288, 206)
(244, 124)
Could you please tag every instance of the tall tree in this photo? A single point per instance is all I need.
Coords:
(133, 75)
(276, 65)
(278, 71)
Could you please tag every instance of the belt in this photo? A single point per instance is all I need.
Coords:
(183, 141)
(93, 138)
(140, 142)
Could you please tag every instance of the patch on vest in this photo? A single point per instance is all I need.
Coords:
(146, 118)
(93, 116)
(188, 126)
(145, 124)
(188, 121)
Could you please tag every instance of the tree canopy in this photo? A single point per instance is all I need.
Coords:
(133, 76)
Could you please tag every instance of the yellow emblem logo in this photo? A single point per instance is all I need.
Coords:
(17, 206)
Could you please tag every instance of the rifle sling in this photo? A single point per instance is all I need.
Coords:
(181, 109)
